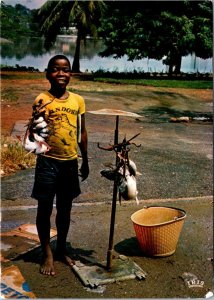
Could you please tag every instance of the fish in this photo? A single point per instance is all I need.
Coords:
(44, 130)
(44, 135)
(41, 125)
(37, 147)
(28, 144)
(42, 148)
(34, 139)
(38, 138)
(132, 167)
(128, 188)
(37, 130)
(39, 120)
(127, 184)
(125, 177)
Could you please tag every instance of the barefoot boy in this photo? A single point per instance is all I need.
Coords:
(57, 170)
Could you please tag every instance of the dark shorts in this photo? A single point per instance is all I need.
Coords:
(55, 177)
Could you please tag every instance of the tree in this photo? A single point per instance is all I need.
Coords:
(51, 17)
(85, 15)
(16, 22)
(152, 29)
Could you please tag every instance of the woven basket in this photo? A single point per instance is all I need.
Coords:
(158, 229)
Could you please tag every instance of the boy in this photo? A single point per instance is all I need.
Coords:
(56, 171)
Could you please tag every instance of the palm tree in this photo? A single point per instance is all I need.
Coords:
(57, 14)
(86, 16)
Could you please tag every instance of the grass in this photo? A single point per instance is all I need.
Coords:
(187, 84)
(121, 79)
(9, 95)
(21, 75)
(14, 157)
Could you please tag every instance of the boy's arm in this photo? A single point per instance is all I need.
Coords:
(83, 145)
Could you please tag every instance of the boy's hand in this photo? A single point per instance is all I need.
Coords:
(84, 170)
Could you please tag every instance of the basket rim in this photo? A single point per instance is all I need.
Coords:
(160, 224)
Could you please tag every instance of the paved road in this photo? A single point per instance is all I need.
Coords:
(175, 160)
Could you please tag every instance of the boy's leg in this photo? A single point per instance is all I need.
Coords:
(63, 223)
(43, 227)
(66, 190)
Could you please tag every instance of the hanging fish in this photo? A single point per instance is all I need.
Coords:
(132, 167)
(41, 125)
(42, 147)
(39, 120)
(124, 175)
(44, 135)
(28, 144)
(125, 178)
(127, 184)
(37, 131)
(127, 187)
(44, 130)
(35, 143)
(38, 138)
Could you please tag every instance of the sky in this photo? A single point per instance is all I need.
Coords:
(31, 4)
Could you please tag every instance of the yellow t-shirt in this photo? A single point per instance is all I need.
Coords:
(61, 116)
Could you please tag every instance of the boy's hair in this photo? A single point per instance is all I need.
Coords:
(56, 57)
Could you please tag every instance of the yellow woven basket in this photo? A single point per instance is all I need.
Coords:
(158, 229)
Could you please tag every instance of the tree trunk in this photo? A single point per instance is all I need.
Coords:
(178, 64)
(76, 62)
(174, 62)
(170, 70)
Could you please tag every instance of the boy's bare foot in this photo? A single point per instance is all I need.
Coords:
(65, 258)
(47, 267)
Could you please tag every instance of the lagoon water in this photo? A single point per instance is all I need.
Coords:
(31, 53)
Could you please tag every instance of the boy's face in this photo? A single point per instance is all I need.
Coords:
(59, 74)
